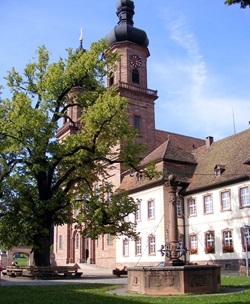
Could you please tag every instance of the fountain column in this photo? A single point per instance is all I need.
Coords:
(173, 250)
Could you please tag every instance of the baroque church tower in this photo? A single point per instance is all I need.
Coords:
(130, 77)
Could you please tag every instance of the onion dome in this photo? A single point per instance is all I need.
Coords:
(125, 30)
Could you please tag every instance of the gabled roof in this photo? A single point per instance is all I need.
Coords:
(232, 152)
(186, 142)
(171, 152)
(169, 159)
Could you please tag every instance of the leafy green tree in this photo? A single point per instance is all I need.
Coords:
(243, 3)
(41, 180)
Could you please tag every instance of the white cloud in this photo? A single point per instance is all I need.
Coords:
(191, 98)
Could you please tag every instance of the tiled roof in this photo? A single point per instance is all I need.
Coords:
(231, 152)
(169, 151)
(183, 141)
(169, 159)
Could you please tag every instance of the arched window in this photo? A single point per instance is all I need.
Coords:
(135, 76)
(111, 79)
(77, 241)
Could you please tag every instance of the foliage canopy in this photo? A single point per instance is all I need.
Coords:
(41, 180)
(243, 3)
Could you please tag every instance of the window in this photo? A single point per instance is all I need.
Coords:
(151, 245)
(126, 218)
(138, 212)
(225, 201)
(192, 207)
(227, 241)
(126, 247)
(245, 239)
(135, 76)
(244, 197)
(179, 207)
(137, 123)
(209, 242)
(96, 189)
(151, 209)
(111, 79)
(60, 242)
(109, 239)
(109, 194)
(218, 170)
(76, 212)
(138, 247)
(208, 204)
(77, 241)
(193, 244)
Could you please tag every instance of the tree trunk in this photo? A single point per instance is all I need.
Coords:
(42, 250)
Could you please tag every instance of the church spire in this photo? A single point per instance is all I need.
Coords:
(125, 30)
(80, 39)
(125, 11)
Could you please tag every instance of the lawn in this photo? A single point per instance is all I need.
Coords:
(96, 294)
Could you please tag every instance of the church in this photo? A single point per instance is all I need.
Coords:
(213, 179)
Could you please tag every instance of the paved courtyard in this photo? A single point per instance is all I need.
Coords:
(91, 274)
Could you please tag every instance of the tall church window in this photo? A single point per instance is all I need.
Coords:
(77, 241)
(111, 79)
(60, 242)
(137, 123)
(135, 76)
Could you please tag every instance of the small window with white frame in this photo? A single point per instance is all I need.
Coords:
(179, 207)
(193, 240)
(245, 237)
(151, 209)
(227, 241)
(209, 242)
(138, 249)
(208, 204)
(138, 212)
(109, 239)
(191, 207)
(151, 245)
(225, 197)
(126, 247)
(244, 197)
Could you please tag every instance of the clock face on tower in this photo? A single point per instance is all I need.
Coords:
(135, 61)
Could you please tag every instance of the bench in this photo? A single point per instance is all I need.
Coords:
(118, 272)
(13, 271)
(43, 271)
(52, 271)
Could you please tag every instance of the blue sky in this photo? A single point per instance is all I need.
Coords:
(199, 61)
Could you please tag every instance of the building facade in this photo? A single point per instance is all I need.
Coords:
(213, 178)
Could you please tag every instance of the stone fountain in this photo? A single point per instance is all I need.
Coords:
(175, 277)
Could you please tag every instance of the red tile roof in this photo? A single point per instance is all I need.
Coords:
(186, 142)
(232, 152)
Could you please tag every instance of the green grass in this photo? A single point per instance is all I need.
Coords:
(96, 294)
(22, 261)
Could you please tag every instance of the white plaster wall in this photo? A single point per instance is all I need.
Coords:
(145, 227)
(218, 221)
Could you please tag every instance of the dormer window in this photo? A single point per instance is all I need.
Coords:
(219, 169)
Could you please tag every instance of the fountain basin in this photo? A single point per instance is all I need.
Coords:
(172, 280)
